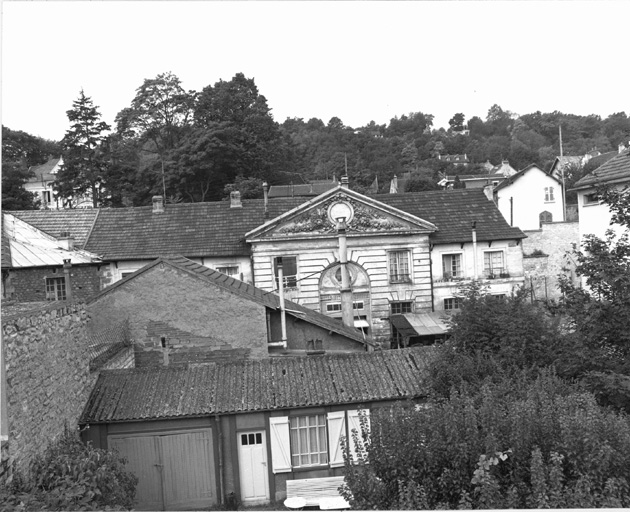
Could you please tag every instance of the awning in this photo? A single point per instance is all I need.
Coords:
(361, 323)
(421, 324)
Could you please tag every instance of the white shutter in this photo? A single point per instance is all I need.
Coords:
(355, 424)
(280, 444)
(336, 429)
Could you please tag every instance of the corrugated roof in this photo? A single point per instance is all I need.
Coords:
(215, 229)
(453, 211)
(421, 324)
(77, 222)
(30, 247)
(256, 385)
(267, 299)
(615, 170)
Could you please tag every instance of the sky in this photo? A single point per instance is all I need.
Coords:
(359, 61)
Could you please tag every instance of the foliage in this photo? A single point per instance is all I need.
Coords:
(20, 151)
(516, 443)
(71, 475)
(250, 188)
(83, 170)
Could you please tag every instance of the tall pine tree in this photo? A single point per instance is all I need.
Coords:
(84, 166)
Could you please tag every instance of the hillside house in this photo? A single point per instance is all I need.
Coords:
(594, 215)
(195, 434)
(179, 311)
(37, 266)
(529, 198)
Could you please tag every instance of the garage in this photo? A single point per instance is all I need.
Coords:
(175, 468)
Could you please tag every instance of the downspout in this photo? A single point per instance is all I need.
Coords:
(67, 267)
(431, 276)
(474, 243)
(283, 314)
(347, 313)
(217, 420)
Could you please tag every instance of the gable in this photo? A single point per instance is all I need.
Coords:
(363, 215)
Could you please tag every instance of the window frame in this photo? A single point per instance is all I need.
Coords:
(549, 195)
(490, 272)
(404, 304)
(225, 267)
(298, 451)
(591, 199)
(395, 276)
(56, 287)
(456, 303)
(291, 280)
(449, 275)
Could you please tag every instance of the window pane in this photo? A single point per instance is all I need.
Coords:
(244, 439)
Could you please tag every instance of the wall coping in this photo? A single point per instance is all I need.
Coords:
(62, 308)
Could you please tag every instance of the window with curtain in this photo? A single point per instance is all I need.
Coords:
(308, 440)
(452, 266)
(493, 263)
(399, 267)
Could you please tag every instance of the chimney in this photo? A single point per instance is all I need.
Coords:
(164, 350)
(67, 267)
(393, 186)
(266, 197)
(235, 199)
(621, 148)
(66, 241)
(344, 182)
(158, 204)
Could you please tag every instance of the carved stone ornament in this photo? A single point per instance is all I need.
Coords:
(364, 219)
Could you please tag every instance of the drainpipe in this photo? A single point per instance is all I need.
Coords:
(283, 314)
(67, 266)
(217, 421)
(347, 314)
(474, 243)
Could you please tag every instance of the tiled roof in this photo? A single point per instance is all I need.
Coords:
(77, 222)
(511, 179)
(308, 189)
(257, 385)
(248, 291)
(453, 211)
(215, 229)
(43, 171)
(615, 170)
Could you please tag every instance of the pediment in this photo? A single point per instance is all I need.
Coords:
(363, 215)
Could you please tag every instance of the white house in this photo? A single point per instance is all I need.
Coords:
(595, 216)
(42, 183)
(529, 198)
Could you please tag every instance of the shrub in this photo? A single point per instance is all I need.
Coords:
(71, 475)
(515, 443)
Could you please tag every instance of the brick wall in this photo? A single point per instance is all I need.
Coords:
(554, 240)
(201, 321)
(29, 284)
(47, 376)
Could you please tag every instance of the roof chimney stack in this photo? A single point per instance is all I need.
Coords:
(66, 241)
(266, 197)
(235, 199)
(158, 204)
(344, 182)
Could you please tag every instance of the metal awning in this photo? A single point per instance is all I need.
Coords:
(421, 324)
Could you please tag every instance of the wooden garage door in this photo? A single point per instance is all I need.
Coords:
(175, 470)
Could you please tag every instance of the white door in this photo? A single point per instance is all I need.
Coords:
(252, 459)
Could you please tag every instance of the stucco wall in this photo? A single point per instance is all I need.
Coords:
(200, 320)
(555, 241)
(47, 375)
(528, 199)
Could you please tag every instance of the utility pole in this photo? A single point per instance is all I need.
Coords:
(564, 194)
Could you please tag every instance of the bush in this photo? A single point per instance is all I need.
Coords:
(71, 475)
(514, 444)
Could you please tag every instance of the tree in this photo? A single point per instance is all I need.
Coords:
(456, 122)
(20, 151)
(157, 122)
(84, 167)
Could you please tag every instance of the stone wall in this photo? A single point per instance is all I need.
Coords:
(200, 320)
(545, 257)
(29, 284)
(47, 376)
